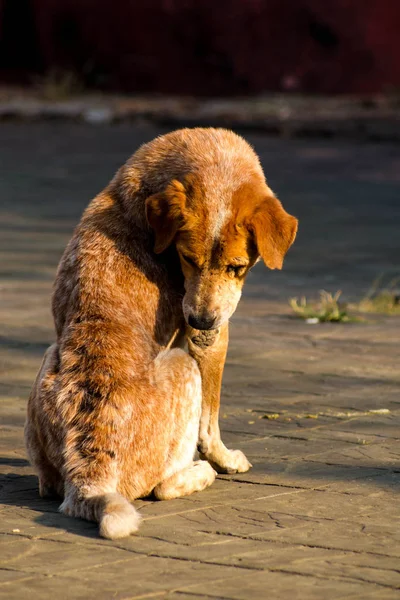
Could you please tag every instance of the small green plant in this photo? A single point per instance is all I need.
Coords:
(58, 84)
(327, 309)
(381, 299)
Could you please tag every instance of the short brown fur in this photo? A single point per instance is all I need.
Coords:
(159, 257)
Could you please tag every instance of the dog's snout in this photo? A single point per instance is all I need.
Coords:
(202, 321)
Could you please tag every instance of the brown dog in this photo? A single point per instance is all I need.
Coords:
(159, 256)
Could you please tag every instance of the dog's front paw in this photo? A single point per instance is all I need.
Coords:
(236, 462)
(227, 461)
(240, 464)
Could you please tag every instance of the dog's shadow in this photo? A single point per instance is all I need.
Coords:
(21, 491)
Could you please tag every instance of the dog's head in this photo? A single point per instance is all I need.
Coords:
(219, 241)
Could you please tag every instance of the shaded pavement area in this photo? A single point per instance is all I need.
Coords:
(315, 408)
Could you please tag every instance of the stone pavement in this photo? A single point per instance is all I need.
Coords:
(315, 408)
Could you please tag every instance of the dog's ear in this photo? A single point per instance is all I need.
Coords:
(274, 231)
(164, 213)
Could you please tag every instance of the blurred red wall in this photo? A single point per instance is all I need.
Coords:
(206, 47)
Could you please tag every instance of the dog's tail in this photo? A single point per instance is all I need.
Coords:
(116, 516)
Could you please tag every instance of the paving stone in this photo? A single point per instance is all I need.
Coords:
(283, 584)
(51, 557)
(128, 579)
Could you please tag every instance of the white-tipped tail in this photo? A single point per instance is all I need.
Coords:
(116, 516)
(119, 518)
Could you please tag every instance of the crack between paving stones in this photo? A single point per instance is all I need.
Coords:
(334, 578)
(22, 554)
(306, 518)
(300, 545)
(97, 566)
(18, 491)
(186, 589)
(371, 567)
(360, 433)
(271, 435)
(137, 553)
(333, 464)
(187, 518)
(149, 595)
(30, 576)
(35, 538)
(320, 488)
(267, 483)
(329, 438)
(161, 539)
(14, 570)
(289, 437)
(199, 594)
(355, 478)
(219, 504)
(195, 561)
(40, 575)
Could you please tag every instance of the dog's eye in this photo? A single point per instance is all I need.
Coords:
(189, 260)
(235, 270)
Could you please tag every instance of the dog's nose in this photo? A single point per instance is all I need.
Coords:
(202, 321)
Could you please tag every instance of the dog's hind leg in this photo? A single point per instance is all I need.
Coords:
(181, 475)
(194, 478)
(94, 475)
(100, 475)
(50, 481)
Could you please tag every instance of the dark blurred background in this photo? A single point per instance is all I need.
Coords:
(205, 47)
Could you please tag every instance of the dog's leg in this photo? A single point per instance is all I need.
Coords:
(91, 491)
(50, 481)
(194, 478)
(209, 348)
(179, 378)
